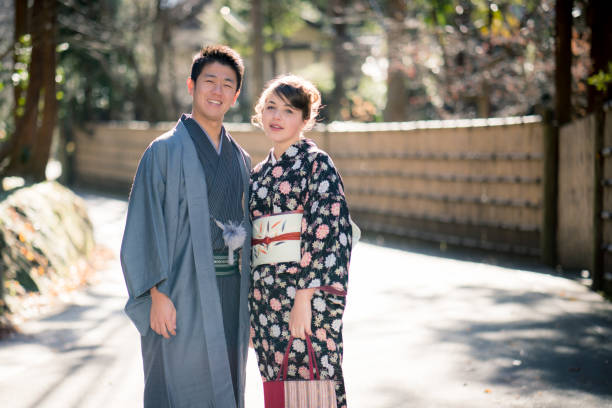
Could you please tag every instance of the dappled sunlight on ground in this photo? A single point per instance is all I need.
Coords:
(420, 330)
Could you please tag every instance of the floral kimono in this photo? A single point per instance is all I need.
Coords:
(303, 179)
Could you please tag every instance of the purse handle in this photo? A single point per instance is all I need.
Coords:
(312, 361)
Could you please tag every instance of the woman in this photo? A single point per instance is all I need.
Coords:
(302, 240)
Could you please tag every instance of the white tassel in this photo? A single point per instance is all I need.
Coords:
(234, 235)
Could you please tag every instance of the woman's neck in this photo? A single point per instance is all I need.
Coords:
(280, 148)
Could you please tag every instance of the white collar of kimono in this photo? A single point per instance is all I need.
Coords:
(217, 149)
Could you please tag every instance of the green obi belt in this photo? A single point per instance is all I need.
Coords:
(222, 268)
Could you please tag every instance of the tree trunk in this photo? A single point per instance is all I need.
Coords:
(33, 139)
(21, 29)
(338, 9)
(395, 111)
(49, 115)
(257, 74)
(439, 31)
(161, 40)
(484, 100)
(25, 127)
(484, 91)
(598, 15)
(563, 61)
(176, 83)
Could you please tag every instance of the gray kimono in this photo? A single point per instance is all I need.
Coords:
(167, 242)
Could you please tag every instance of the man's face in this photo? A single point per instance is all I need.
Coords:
(214, 92)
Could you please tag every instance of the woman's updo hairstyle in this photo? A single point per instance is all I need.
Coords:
(298, 92)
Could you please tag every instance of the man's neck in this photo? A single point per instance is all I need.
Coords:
(212, 128)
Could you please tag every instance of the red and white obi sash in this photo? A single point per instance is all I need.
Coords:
(276, 238)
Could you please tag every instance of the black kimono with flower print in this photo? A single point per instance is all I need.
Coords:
(304, 178)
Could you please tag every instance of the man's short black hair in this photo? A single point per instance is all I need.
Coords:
(223, 55)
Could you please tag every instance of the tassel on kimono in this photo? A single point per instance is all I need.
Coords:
(234, 235)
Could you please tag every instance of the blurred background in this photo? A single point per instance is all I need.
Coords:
(374, 60)
(478, 123)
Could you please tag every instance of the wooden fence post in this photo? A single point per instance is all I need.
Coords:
(597, 262)
(548, 232)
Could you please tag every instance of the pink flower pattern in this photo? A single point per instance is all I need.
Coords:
(277, 171)
(275, 304)
(322, 231)
(284, 187)
(335, 209)
(304, 372)
(305, 259)
(326, 217)
(278, 357)
(321, 334)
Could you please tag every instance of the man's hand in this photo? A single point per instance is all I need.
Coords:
(163, 314)
(301, 314)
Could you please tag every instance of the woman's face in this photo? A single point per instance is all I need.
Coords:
(282, 123)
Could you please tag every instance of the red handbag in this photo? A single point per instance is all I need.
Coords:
(313, 393)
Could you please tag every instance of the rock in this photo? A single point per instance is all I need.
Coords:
(45, 239)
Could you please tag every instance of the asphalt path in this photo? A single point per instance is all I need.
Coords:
(420, 330)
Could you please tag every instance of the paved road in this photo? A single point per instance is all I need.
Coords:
(420, 331)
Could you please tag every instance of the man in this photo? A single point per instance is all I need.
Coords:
(187, 296)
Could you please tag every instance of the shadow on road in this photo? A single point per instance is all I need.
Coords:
(535, 340)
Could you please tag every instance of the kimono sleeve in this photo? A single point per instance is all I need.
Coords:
(326, 231)
(144, 252)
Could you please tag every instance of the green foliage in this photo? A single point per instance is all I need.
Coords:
(96, 66)
(496, 54)
(602, 79)
(26, 281)
(19, 76)
(453, 49)
(281, 19)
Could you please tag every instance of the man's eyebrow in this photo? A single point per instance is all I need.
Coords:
(227, 79)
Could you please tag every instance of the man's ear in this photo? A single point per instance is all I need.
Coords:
(236, 97)
(190, 86)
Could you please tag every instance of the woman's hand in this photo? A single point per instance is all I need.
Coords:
(301, 314)
(163, 314)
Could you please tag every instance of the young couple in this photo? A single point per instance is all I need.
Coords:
(213, 258)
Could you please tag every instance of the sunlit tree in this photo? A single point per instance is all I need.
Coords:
(26, 151)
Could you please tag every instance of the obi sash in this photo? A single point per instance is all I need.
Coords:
(276, 238)
(222, 265)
